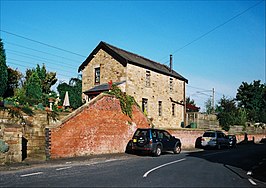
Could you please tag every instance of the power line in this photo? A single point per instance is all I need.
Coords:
(21, 46)
(36, 64)
(48, 45)
(12, 63)
(38, 58)
(217, 27)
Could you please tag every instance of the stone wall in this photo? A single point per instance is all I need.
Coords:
(110, 69)
(12, 136)
(135, 77)
(95, 128)
(159, 90)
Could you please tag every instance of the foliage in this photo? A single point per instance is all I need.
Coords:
(47, 79)
(33, 89)
(3, 70)
(208, 106)
(15, 110)
(74, 89)
(192, 102)
(230, 114)
(126, 101)
(52, 114)
(14, 76)
(3, 146)
(252, 97)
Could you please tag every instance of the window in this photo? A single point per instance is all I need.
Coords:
(148, 78)
(160, 108)
(97, 75)
(145, 105)
(173, 109)
(171, 85)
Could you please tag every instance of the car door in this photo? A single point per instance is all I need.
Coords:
(168, 142)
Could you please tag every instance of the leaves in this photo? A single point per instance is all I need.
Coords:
(3, 70)
(252, 97)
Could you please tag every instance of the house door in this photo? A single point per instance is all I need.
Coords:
(24, 148)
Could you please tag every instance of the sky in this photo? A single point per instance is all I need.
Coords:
(215, 44)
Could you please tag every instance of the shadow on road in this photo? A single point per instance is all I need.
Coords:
(247, 156)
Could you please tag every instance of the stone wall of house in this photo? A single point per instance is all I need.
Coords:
(95, 128)
(110, 69)
(159, 90)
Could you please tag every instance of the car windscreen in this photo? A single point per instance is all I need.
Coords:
(209, 134)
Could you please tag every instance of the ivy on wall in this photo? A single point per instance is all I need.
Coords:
(126, 101)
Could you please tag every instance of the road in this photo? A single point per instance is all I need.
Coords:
(202, 168)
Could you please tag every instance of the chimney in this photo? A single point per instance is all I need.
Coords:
(171, 62)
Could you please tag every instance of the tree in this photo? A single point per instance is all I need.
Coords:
(252, 97)
(33, 89)
(226, 110)
(208, 106)
(191, 106)
(14, 76)
(3, 70)
(74, 89)
(48, 79)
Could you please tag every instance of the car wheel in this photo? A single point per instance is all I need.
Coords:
(158, 151)
(177, 149)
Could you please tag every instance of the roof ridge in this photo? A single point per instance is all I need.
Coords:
(135, 54)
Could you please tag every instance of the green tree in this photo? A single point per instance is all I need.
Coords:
(3, 70)
(252, 97)
(48, 79)
(208, 106)
(193, 104)
(74, 88)
(226, 110)
(14, 76)
(33, 89)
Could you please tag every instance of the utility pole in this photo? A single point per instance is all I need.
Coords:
(213, 100)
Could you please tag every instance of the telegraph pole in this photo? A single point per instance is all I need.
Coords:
(213, 101)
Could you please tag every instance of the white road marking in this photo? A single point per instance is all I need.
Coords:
(251, 181)
(32, 174)
(63, 168)
(146, 174)
(249, 173)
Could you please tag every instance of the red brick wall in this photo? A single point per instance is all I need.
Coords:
(98, 127)
(188, 137)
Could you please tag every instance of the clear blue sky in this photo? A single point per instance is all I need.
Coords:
(232, 53)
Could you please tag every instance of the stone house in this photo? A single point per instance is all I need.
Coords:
(157, 88)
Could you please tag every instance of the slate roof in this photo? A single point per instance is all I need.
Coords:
(102, 87)
(125, 57)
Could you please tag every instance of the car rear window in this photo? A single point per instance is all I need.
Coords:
(209, 134)
(141, 132)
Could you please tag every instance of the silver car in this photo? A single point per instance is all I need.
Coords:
(214, 139)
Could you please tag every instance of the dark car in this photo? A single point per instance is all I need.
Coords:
(154, 141)
(232, 140)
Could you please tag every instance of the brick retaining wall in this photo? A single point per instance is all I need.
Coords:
(96, 128)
